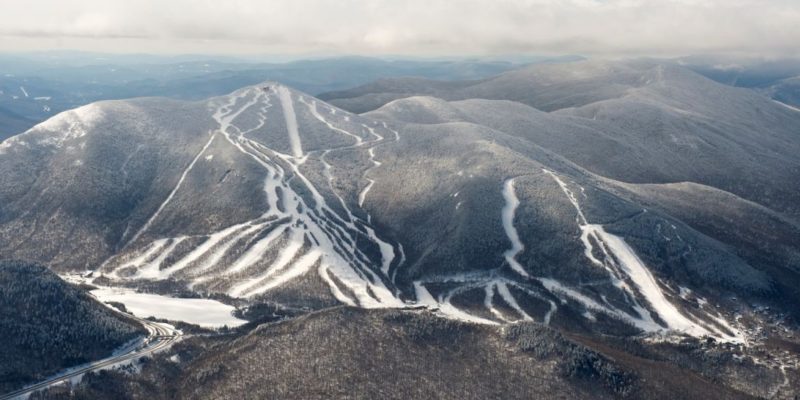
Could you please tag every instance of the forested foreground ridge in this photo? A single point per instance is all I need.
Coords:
(48, 325)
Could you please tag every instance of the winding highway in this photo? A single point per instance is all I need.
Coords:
(160, 336)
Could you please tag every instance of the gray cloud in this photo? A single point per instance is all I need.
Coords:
(414, 27)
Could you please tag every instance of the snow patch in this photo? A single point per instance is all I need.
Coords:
(203, 312)
(65, 126)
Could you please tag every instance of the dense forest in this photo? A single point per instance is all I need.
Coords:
(48, 325)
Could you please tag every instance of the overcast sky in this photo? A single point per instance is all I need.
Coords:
(404, 27)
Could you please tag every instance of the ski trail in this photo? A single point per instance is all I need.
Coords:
(489, 284)
(297, 269)
(363, 194)
(174, 190)
(621, 258)
(284, 258)
(402, 253)
(291, 121)
(506, 295)
(550, 312)
(508, 212)
(225, 116)
(445, 308)
(149, 251)
(322, 208)
(396, 134)
(153, 269)
(313, 108)
(581, 218)
(488, 302)
(373, 132)
(401, 262)
(553, 306)
(791, 107)
(386, 249)
(555, 286)
(378, 140)
(262, 116)
(335, 290)
(371, 153)
(215, 257)
(207, 245)
(326, 170)
(256, 251)
(423, 296)
(452, 311)
(634, 268)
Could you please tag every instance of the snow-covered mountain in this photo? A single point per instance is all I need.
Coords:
(201, 197)
(635, 121)
(486, 211)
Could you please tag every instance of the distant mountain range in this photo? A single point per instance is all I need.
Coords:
(776, 78)
(634, 206)
(34, 87)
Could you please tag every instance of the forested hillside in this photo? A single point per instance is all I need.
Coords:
(48, 325)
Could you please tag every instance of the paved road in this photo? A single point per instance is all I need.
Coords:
(160, 336)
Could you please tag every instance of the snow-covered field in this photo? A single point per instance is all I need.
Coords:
(203, 312)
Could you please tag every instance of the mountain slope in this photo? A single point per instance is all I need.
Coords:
(787, 91)
(538, 241)
(192, 177)
(637, 121)
(547, 87)
(486, 211)
(351, 353)
(47, 325)
(270, 194)
(757, 234)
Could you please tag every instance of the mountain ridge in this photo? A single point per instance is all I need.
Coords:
(474, 216)
(306, 193)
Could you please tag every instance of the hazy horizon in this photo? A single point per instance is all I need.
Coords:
(305, 28)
